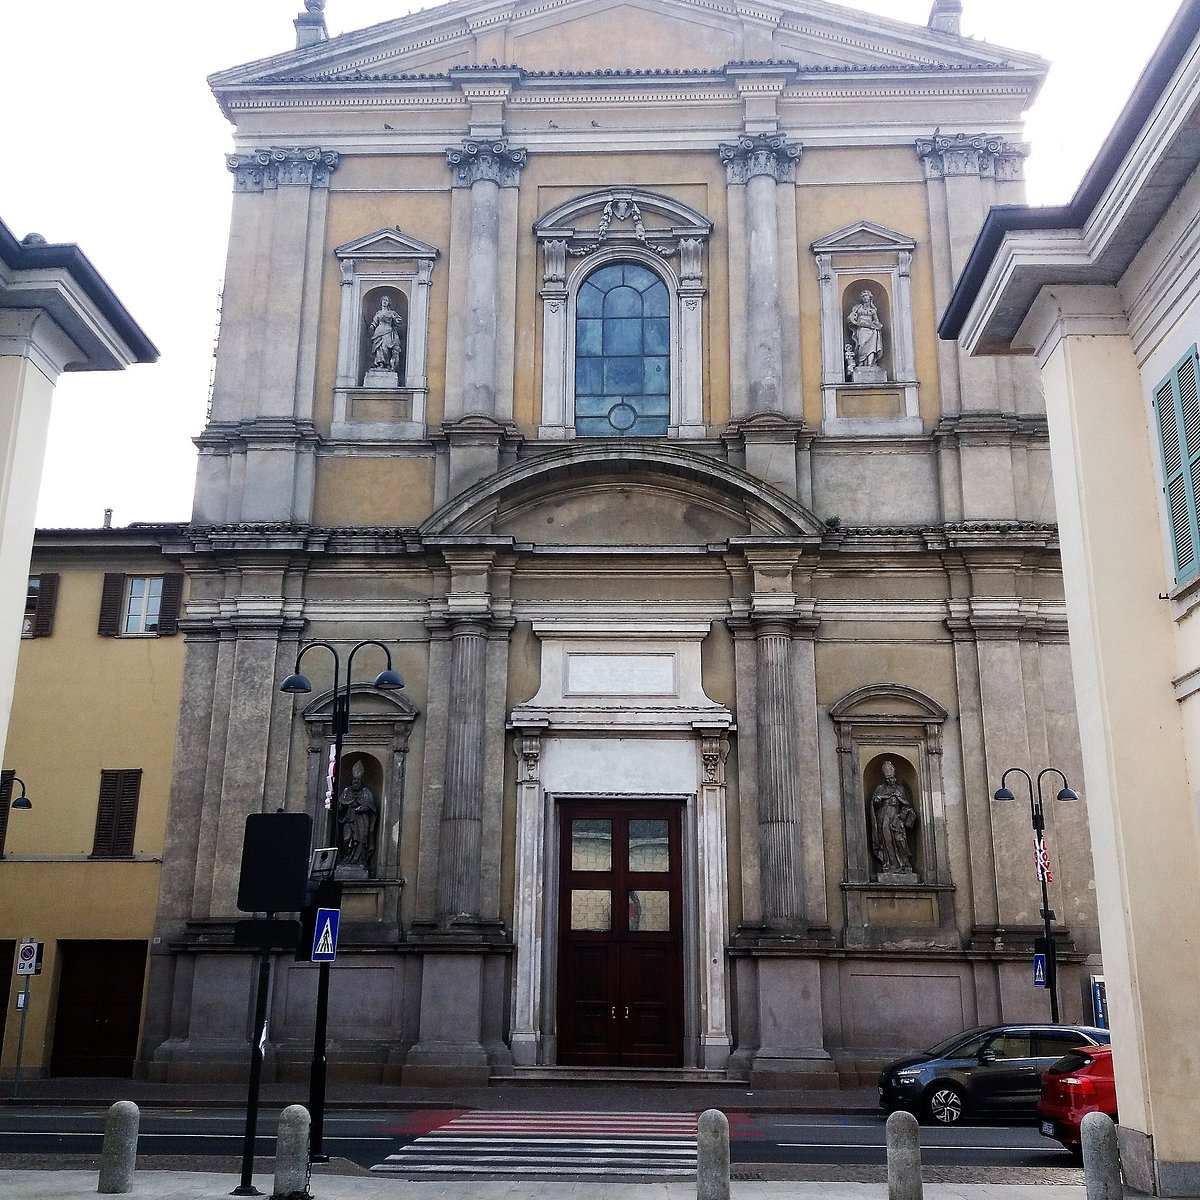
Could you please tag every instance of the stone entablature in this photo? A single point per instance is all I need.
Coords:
(979, 154)
(279, 166)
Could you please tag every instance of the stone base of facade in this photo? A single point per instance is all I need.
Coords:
(1145, 1172)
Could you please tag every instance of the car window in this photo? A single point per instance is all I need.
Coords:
(968, 1049)
(958, 1045)
(1009, 1045)
(1071, 1062)
(1052, 1044)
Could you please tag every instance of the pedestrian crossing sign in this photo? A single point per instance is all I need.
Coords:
(1039, 970)
(325, 935)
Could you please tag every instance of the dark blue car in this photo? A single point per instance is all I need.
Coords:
(994, 1070)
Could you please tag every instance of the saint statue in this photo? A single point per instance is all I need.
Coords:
(387, 344)
(358, 815)
(866, 329)
(892, 817)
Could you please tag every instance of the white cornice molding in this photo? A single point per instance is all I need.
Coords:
(1070, 310)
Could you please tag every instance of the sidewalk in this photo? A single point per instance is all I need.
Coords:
(178, 1185)
(501, 1095)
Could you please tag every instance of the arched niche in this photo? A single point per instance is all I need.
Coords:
(386, 369)
(873, 724)
(380, 727)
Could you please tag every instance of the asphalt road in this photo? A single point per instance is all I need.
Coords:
(368, 1138)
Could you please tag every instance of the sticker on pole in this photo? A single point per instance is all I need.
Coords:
(325, 935)
(29, 955)
(1039, 970)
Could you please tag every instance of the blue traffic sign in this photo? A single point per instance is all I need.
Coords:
(1039, 970)
(325, 935)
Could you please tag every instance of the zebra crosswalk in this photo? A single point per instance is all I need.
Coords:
(553, 1144)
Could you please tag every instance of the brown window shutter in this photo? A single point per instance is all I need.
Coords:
(168, 608)
(128, 790)
(112, 601)
(47, 602)
(6, 782)
(106, 813)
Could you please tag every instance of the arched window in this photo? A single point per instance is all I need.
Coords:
(622, 353)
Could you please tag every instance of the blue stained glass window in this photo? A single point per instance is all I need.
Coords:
(622, 353)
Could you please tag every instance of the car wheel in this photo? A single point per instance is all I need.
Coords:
(944, 1104)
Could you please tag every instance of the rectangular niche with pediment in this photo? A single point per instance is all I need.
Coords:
(868, 361)
(382, 387)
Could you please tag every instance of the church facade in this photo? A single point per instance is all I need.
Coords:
(584, 355)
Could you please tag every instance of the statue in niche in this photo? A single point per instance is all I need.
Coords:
(386, 330)
(864, 354)
(358, 816)
(892, 818)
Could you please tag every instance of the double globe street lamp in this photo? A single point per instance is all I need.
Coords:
(1038, 814)
(297, 684)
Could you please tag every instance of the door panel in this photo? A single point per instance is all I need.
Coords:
(620, 934)
(99, 1008)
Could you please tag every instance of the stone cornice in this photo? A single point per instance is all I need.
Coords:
(492, 159)
(760, 154)
(990, 157)
(280, 166)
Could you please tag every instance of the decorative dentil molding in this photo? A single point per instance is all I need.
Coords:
(761, 154)
(981, 154)
(495, 160)
(281, 166)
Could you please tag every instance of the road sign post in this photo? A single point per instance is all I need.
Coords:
(28, 963)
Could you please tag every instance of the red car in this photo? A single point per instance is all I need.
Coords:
(1080, 1082)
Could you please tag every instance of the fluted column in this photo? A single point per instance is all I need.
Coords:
(778, 813)
(760, 163)
(484, 167)
(460, 837)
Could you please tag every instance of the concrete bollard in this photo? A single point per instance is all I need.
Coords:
(712, 1156)
(119, 1154)
(904, 1156)
(1101, 1157)
(291, 1154)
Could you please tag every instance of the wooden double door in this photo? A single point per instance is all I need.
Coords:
(620, 921)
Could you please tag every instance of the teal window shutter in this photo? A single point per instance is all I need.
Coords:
(1178, 406)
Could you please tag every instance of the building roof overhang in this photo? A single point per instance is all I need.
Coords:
(1152, 150)
(59, 280)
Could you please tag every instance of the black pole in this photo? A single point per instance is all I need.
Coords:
(246, 1187)
(320, 1061)
(1039, 831)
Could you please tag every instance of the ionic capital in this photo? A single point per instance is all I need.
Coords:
(760, 154)
(281, 166)
(495, 160)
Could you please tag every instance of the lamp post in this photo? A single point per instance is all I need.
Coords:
(296, 683)
(22, 801)
(1037, 813)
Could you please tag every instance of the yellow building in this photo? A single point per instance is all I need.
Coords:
(91, 739)
(604, 389)
(1102, 294)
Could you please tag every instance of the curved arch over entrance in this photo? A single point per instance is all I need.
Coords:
(768, 510)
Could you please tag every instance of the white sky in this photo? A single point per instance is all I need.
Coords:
(112, 140)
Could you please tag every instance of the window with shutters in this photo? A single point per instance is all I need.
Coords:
(140, 605)
(1178, 409)
(116, 814)
(6, 786)
(41, 598)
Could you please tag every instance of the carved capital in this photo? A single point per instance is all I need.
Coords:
(714, 750)
(297, 166)
(761, 154)
(495, 160)
(528, 747)
(981, 154)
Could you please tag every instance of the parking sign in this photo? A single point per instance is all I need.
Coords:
(29, 958)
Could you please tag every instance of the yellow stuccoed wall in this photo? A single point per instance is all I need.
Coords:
(83, 703)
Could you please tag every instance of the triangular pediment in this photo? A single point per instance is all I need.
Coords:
(638, 36)
(863, 235)
(391, 243)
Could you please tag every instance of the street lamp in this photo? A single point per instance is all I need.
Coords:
(295, 683)
(1038, 814)
(22, 801)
